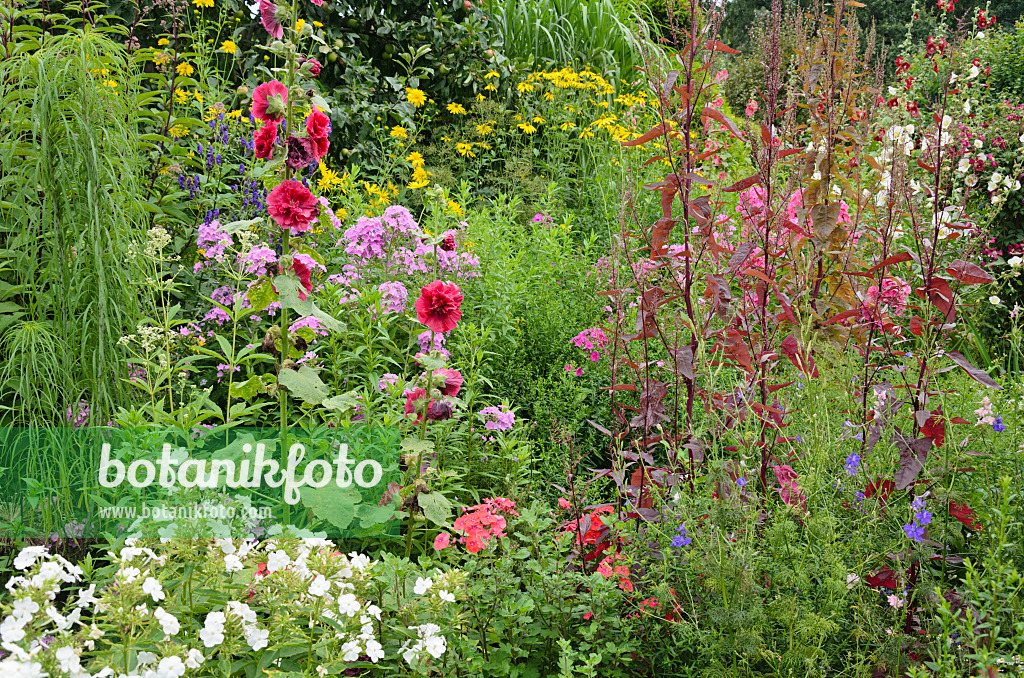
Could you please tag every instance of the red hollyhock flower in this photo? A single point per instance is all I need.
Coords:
(313, 65)
(300, 152)
(452, 381)
(438, 306)
(264, 139)
(270, 101)
(269, 19)
(448, 244)
(302, 270)
(410, 403)
(292, 205)
(318, 126)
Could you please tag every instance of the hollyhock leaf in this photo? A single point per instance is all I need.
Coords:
(415, 445)
(233, 227)
(321, 103)
(261, 295)
(345, 402)
(304, 384)
(436, 508)
(336, 505)
(370, 515)
(247, 390)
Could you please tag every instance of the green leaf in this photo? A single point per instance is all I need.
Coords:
(336, 505)
(370, 515)
(304, 384)
(342, 403)
(236, 226)
(417, 445)
(436, 508)
(248, 389)
(261, 295)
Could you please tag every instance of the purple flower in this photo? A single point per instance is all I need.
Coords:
(681, 539)
(497, 418)
(923, 517)
(852, 464)
(999, 426)
(914, 531)
(741, 481)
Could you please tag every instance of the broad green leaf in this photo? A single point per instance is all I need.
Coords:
(304, 384)
(248, 389)
(436, 508)
(336, 505)
(261, 295)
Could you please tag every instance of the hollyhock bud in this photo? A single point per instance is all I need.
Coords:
(311, 68)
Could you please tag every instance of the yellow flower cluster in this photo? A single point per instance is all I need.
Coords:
(456, 209)
(420, 176)
(329, 181)
(381, 197)
(568, 78)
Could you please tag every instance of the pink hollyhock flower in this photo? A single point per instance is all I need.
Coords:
(318, 126)
(263, 140)
(452, 381)
(292, 205)
(751, 108)
(270, 101)
(313, 66)
(271, 19)
(442, 541)
(438, 305)
(303, 270)
(410, 402)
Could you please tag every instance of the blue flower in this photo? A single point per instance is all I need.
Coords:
(741, 481)
(999, 426)
(859, 496)
(852, 464)
(681, 539)
(914, 531)
(923, 517)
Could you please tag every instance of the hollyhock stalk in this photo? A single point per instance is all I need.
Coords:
(285, 246)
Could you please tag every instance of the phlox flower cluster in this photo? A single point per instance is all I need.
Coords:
(396, 241)
(497, 418)
(38, 639)
(312, 323)
(394, 296)
(590, 339)
(213, 240)
(255, 261)
(423, 340)
(608, 569)
(483, 522)
(78, 415)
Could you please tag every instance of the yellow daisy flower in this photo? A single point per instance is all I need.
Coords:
(203, 3)
(527, 127)
(416, 158)
(465, 150)
(417, 97)
(163, 42)
(229, 47)
(491, 74)
(399, 132)
(457, 109)
(185, 69)
(524, 87)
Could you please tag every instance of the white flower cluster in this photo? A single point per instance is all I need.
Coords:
(287, 574)
(427, 642)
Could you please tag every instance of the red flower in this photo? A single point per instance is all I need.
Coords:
(269, 19)
(564, 504)
(270, 101)
(438, 306)
(448, 244)
(302, 270)
(264, 139)
(292, 205)
(452, 381)
(410, 402)
(442, 541)
(318, 126)
(313, 65)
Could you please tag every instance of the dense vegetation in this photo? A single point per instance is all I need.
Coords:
(675, 359)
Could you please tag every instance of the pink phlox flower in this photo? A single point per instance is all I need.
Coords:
(213, 240)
